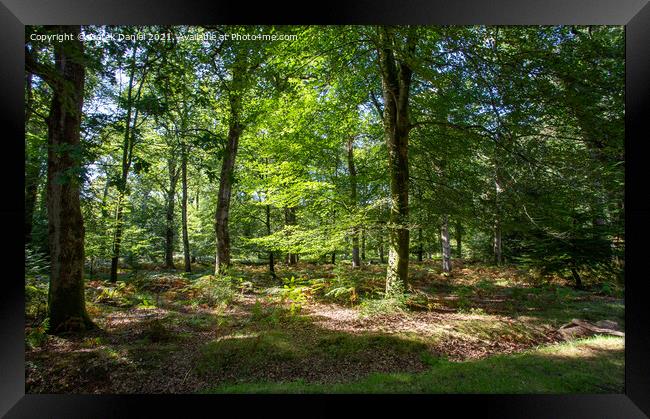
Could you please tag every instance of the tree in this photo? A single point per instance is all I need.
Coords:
(264, 151)
(356, 262)
(131, 105)
(66, 304)
(396, 84)
(243, 63)
(186, 240)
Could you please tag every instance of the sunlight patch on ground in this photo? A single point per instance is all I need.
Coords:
(590, 349)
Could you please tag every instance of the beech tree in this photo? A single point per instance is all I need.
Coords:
(66, 303)
(396, 84)
(352, 144)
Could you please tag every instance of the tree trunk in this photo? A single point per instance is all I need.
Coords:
(446, 245)
(67, 309)
(497, 242)
(381, 247)
(363, 244)
(235, 129)
(225, 190)
(333, 258)
(186, 240)
(459, 246)
(169, 214)
(396, 83)
(576, 277)
(268, 231)
(290, 219)
(127, 157)
(356, 262)
(420, 245)
(117, 241)
(497, 215)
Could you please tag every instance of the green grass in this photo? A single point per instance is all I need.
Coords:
(247, 351)
(342, 345)
(594, 365)
(266, 340)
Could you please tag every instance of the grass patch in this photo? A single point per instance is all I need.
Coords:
(247, 351)
(381, 306)
(493, 330)
(340, 345)
(594, 365)
(213, 291)
(151, 355)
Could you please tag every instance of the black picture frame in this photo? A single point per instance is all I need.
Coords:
(634, 14)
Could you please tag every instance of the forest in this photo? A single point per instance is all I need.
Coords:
(323, 209)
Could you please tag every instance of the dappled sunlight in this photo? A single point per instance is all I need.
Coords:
(199, 330)
(329, 205)
(237, 336)
(596, 347)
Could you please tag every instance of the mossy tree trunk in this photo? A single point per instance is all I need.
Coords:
(459, 238)
(186, 240)
(66, 304)
(236, 89)
(356, 262)
(268, 231)
(396, 84)
(446, 244)
(170, 228)
(290, 220)
(222, 214)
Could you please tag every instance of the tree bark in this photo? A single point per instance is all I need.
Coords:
(420, 245)
(117, 241)
(290, 219)
(268, 231)
(459, 246)
(356, 262)
(396, 83)
(497, 243)
(127, 158)
(497, 214)
(576, 278)
(225, 190)
(446, 245)
(235, 129)
(169, 214)
(186, 240)
(67, 311)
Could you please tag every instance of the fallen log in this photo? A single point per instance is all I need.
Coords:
(581, 328)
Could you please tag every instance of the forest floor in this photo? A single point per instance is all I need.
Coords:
(324, 328)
